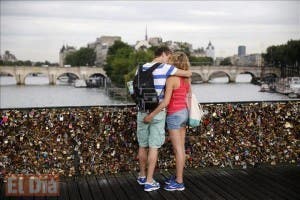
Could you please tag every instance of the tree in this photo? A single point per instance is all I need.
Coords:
(82, 57)
(226, 62)
(140, 57)
(122, 61)
(200, 61)
(118, 62)
(284, 54)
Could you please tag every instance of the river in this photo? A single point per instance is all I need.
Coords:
(37, 93)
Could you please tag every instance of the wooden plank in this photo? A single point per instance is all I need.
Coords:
(291, 175)
(154, 194)
(73, 190)
(105, 188)
(260, 182)
(236, 188)
(168, 194)
(264, 183)
(243, 178)
(84, 189)
(42, 197)
(96, 191)
(131, 194)
(2, 189)
(131, 179)
(200, 187)
(116, 188)
(191, 192)
(63, 191)
(275, 186)
(213, 183)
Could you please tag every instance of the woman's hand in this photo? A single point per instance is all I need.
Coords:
(148, 118)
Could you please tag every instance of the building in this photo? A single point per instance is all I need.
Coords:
(210, 51)
(219, 60)
(64, 51)
(7, 56)
(241, 50)
(101, 46)
(178, 45)
(200, 52)
(155, 41)
(250, 60)
(142, 44)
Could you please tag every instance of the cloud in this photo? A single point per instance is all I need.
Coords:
(37, 29)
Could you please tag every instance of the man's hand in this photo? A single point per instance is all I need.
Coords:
(148, 118)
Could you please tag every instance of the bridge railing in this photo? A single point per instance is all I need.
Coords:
(102, 139)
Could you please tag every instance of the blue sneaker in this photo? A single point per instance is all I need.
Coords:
(141, 180)
(174, 186)
(148, 187)
(170, 180)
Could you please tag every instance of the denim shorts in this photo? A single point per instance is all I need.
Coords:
(177, 119)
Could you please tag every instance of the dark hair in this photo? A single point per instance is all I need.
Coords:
(162, 49)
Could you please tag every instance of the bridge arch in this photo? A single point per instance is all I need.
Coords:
(271, 74)
(253, 76)
(63, 73)
(269, 77)
(7, 73)
(96, 74)
(196, 78)
(10, 78)
(69, 78)
(219, 72)
(37, 73)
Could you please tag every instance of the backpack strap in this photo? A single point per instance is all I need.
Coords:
(154, 67)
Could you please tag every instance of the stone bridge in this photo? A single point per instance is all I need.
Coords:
(205, 73)
(201, 73)
(20, 73)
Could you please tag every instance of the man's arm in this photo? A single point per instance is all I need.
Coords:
(165, 102)
(183, 73)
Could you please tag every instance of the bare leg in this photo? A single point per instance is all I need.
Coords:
(152, 159)
(177, 139)
(142, 155)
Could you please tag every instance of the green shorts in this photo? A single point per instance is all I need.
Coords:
(153, 133)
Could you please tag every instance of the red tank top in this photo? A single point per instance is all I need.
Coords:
(178, 98)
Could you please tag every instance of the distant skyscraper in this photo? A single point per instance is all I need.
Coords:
(241, 50)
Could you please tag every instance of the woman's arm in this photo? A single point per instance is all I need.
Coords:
(165, 102)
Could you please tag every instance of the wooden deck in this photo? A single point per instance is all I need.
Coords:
(253, 183)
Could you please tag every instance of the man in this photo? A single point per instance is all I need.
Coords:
(151, 136)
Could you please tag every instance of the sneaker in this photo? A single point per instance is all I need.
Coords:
(141, 180)
(148, 187)
(174, 186)
(170, 180)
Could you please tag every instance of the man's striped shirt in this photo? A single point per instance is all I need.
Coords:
(160, 75)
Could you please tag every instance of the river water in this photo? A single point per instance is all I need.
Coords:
(37, 93)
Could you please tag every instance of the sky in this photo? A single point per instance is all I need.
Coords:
(36, 30)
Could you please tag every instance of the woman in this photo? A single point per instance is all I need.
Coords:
(175, 100)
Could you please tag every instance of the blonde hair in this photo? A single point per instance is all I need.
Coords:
(180, 60)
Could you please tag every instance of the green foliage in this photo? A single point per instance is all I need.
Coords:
(122, 60)
(200, 61)
(282, 55)
(226, 62)
(26, 63)
(82, 57)
(16, 63)
(38, 64)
